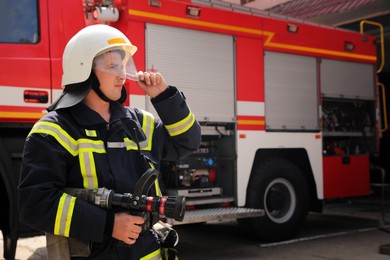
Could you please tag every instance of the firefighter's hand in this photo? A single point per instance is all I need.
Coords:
(152, 83)
(127, 227)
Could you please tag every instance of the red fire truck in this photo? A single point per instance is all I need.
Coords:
(289, 109)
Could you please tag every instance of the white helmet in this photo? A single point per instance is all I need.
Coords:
(86, 45)
(78, 59)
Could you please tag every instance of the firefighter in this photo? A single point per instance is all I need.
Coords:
(89, 140)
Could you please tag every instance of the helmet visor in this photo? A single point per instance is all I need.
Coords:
(118, 63)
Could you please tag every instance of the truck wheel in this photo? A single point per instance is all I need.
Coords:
(279, 188)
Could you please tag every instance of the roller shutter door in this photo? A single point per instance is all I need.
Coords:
(344, 79)
(291, 92)
(200, 64)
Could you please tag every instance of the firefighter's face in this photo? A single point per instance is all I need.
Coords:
(111, 73)
(118, 62)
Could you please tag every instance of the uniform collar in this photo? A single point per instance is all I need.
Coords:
(120, 119)
(85, 116)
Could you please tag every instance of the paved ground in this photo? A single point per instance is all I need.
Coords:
(348, 229)
(328, 238)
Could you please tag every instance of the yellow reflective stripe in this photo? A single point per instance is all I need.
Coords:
(181, 126)
(88, 170)
(71, 145)
(158, 190)
(82, 147)
(148, 128)
(58, 133)
(156, 255)
(96, 146)
(64, 215)
(127, 143)
(90, 133)
(130, 144)
(156, 183)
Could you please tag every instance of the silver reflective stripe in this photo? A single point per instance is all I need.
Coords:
(148, 128)
(82, 147)
(91, 133)
(127, 143)
(58, 133)
(116, 144)
(90, 145)
(144, 145)
(71, 145)
(88, 170)
(181, 126)
(64, 215)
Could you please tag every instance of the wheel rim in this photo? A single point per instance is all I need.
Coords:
(279, 200)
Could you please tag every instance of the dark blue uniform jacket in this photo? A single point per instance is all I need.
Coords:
(75, 147)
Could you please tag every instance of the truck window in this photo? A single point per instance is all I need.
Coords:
(19, 22)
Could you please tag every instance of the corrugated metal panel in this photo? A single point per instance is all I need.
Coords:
(347, 79)
(291, 92)
(200, 64)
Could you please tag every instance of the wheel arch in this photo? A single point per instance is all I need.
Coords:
(300, 158)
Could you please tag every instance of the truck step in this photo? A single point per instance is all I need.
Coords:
(218, 214)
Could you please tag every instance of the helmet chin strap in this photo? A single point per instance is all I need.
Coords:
(96, 87)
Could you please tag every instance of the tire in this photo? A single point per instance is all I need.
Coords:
(279, 188)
